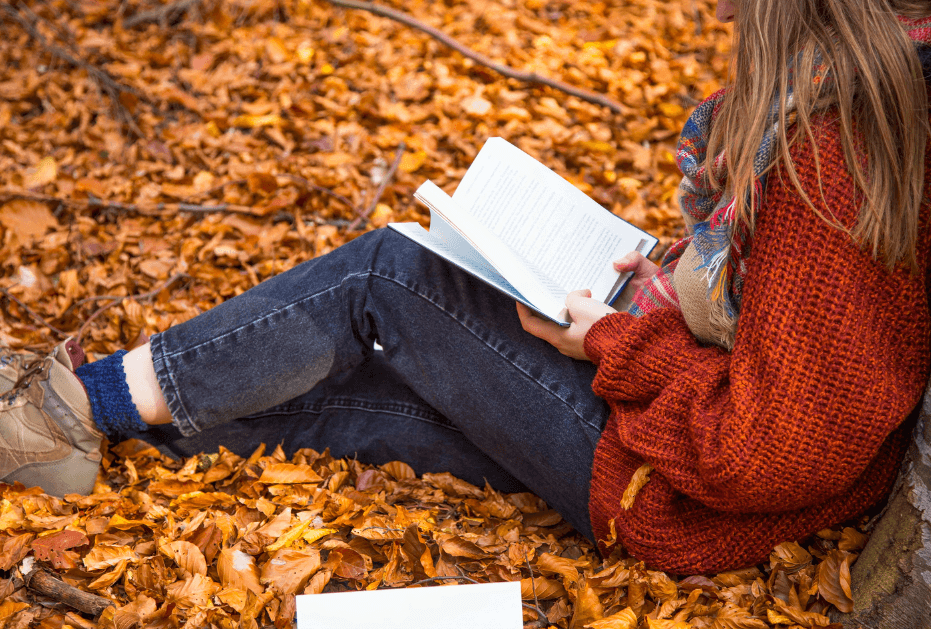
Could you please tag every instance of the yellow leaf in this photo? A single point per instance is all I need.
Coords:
(776, 618)
(596, 146)
(289, 537)
(637, 481)
(412, 161)
(313, 535)
(251, 122)
(305, 52)
(671, 109)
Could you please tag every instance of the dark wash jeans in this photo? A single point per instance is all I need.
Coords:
(458, 387)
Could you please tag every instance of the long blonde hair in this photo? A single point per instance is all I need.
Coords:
(878, 89)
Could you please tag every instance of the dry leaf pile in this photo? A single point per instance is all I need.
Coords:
(224, 541)
(157, 159)
(287, 116)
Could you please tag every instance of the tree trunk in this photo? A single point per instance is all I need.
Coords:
(892, 577)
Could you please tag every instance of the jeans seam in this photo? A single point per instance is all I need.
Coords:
(319, 409)
(269, 315)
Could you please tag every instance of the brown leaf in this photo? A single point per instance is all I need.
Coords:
(50, 546)
(624, 619)
(852, 539)
(193, 592)
(236, 569)
(458, 547)
(399, 470)
(791, 556)
(288, 569)
(588, 607)
(833, 579)
(107, 556)
(187, 556)
(346, 563)
(285, 473)
(541, 588)
(27, 219)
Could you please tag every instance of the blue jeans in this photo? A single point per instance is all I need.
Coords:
(458, 387)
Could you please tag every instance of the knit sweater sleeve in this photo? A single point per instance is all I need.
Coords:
(831, 354)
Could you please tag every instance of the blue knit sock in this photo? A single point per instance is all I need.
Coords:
(112, 406)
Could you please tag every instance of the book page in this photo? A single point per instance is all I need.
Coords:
(463, 257)
(543, 218)
(545, 296)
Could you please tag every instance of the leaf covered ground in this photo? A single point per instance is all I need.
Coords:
(157, 159)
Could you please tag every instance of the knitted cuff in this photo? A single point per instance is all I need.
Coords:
(111, 404)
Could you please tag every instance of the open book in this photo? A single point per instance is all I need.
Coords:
(526, 231)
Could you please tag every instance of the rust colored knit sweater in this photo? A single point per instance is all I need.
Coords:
(801, 426)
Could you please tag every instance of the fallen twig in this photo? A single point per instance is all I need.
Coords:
(171, 280)
(381, 188)
(32, 313)
(95, 203)
(162, 15)
(107, 83)
(43, 583)
(520, 75)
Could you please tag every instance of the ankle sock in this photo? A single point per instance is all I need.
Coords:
(111, 404)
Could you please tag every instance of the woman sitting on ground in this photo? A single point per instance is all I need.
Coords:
(765, 373)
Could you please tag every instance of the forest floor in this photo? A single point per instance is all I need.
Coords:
(157, 159)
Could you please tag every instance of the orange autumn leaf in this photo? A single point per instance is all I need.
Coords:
(833, 579)
(288, 570)
(541, 588)
(285, 473)
(236, 569)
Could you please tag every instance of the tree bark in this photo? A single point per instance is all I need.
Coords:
(892, 577)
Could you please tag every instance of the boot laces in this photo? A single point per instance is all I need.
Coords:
(36, 368)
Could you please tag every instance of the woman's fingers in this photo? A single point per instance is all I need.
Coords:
(629, 262)
(540, 328)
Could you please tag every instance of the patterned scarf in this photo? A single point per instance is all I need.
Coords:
(721, 242)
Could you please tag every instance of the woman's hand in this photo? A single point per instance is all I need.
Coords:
(642, 269)
(584, 312)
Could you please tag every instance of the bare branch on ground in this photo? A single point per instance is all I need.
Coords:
(26, 19)
(43, 583)
(381, 188)
(520, 75)
(32, 313)
(95, 203)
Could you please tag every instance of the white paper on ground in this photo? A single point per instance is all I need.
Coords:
(477, 606)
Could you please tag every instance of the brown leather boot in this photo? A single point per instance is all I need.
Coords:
(12, 365)
(47, 435)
